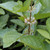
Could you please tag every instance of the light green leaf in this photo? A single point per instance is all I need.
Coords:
(9, 7)
(18, 22)
(18, 7)
(48, 24)
(41, 16)
(31, 41)
(44, 33)
(3, 20)
(21, 18)
(2, 11)
(42, 27)
(10, 37)
(45, 3)
(2, 32)
(0, 49)
(35, 42)
(24, 7)
(35, 10)
(43, 13)
(47, 41)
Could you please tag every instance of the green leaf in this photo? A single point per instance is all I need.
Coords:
(9, 7)
(35, 10)
(3, 20)
(42, 27)
(47, 46)
(41, 16)
(43, 13)
(45, 3)
(17, 45)
(47, 41)
(26, 48)
(34, 42)
(1, 42)
(24, 7)
(21, 18)
(48, 24)
(10, 37)
(20, 29)
(2, 11)
(18, 7)
(44, 33)
(0, 49)
(6, 0)
(31, 41)
(18, 22)
(2, 32)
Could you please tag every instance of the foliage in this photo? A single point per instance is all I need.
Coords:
(16, 25)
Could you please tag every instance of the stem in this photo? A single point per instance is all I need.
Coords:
(29, 29)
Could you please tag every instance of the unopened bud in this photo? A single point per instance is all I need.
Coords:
(28, 22)
(32, 18)
(34, 22)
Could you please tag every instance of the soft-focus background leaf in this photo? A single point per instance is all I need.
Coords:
(45, 3)
(6, 0)
(48, 24)
(2, 11)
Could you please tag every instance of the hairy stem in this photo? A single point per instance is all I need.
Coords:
(29, 29)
